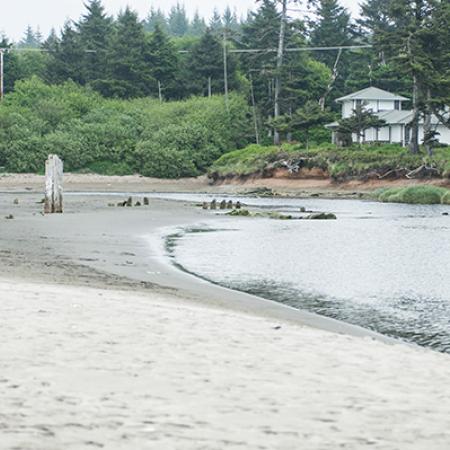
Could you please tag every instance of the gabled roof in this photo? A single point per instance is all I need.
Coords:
(372, 93)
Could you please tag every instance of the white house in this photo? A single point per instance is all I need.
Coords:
(389, 107)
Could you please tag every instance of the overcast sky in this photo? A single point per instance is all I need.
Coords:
(17, 14)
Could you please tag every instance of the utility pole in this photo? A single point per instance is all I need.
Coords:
(2, 65)
(280, 53)
(255, 115)
(225, 67)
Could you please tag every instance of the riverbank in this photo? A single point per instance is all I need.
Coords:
(283, 186)
(117, 349)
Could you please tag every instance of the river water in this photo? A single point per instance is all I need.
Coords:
(385, 267)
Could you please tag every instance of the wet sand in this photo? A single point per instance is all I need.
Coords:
(105, 345)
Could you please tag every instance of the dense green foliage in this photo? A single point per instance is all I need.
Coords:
(115, 136)
(423, 195)
(171, 57)
(360, 162)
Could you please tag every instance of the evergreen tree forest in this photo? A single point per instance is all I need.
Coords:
(99, 70)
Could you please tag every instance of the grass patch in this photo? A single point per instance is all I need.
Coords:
(339, 163)
(419, 195)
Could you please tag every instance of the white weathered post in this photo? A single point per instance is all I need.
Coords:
(53, 185)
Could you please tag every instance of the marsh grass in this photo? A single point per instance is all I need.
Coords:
(420, 195)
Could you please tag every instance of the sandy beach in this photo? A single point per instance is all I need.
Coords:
(105, 345)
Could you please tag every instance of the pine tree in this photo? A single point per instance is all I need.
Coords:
(331, 28)
(361, 120)
(39, 37)
(163, 59)
(215, 24)
(407, 44)
(439, 53)
(374, 17)
(11, 67)
(52, 41)
(178, 21)
(229, 20)
(261, 30)
(95, 30)
(64, 62)
(205, 67)
(198, 25)
(155, 18)
(310, 115)
(30, 39)
(129, 71)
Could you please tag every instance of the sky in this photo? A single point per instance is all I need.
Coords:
(53, 13)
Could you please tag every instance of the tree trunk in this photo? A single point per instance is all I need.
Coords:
(428, 134)
(280, 55)
(414, 140)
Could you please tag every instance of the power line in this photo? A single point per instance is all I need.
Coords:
(301, 49)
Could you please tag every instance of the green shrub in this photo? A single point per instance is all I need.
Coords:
(111, 136)
(423, 195)
(340, 163)
(109, 168)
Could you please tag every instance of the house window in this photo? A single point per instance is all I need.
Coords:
(397, 105)
(358, 104)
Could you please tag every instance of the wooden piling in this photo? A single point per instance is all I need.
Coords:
(53, 185)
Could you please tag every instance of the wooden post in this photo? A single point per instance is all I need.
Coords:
(53, 185)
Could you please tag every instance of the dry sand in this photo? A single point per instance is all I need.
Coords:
(87, 368)
(105, 346)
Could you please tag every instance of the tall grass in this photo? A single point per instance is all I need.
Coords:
(423, 195)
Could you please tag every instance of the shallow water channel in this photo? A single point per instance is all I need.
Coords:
(385, 267)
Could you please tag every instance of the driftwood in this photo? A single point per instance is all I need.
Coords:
(423, 171)
(53, 202)
(394, 173)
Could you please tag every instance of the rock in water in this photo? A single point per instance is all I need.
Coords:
(138, 204)
(213, 204)
(230, 205)
(322, 216)
(16, 201)
(129, 202)
(223, 204)
(146, 201)
(238, 205)
(205, 205)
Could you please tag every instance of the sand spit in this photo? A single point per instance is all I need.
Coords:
(89, 368)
